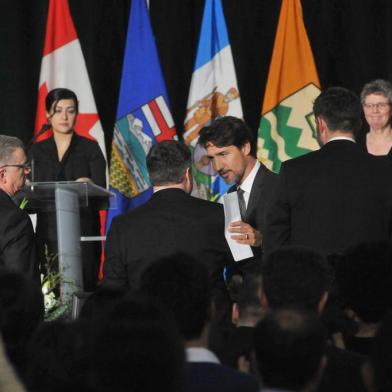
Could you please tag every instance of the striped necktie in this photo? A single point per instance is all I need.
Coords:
(241, 203)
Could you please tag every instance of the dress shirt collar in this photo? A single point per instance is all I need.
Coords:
(341, 138)
(247, 184)
(200, 354)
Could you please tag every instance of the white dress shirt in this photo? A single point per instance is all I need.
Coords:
(247, 184)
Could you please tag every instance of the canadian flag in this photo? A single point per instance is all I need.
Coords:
(63, 65)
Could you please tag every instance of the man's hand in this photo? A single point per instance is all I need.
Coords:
(245, 234)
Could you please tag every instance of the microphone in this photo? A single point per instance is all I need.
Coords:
(43, 129)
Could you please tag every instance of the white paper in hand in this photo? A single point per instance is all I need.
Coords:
(232, 214)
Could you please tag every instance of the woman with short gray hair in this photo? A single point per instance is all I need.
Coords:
(376, 98)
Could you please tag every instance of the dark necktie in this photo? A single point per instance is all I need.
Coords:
(241, 203)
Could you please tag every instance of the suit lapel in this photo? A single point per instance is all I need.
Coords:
(257, 190)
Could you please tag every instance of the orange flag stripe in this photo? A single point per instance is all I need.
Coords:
(292, 64)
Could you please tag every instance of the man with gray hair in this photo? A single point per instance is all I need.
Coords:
(17, 243)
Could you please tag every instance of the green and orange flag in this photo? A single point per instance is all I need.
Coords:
(287, 127)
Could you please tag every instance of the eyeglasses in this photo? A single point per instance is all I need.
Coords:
(381, 106)
(25, 166)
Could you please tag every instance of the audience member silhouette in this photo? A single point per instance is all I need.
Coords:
(246, 312)
(58, 357)
(377, 373)
(182, 285)
(299, 278)
(22, 310)
(290, 350)
(364, 278)
(137, 348)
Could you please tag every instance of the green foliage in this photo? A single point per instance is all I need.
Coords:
(23, 203)
(55, 306)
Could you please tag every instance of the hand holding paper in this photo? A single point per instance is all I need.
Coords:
(244, 233)
(239, 247)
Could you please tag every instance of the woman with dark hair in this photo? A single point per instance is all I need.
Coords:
(67, 156)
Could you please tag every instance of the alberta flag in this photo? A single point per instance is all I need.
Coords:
(63, 65)
(213, 93)
(287, 126)
(143, 115)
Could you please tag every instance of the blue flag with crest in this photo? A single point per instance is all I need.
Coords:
(143, 115)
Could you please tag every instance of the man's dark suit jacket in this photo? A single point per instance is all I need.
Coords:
(17, 243)
(261, 196)
(171, 222)
(331, 199)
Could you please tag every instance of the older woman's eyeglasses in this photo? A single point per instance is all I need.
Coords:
(381, 106)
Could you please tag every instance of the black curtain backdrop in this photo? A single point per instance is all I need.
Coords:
(351, 42)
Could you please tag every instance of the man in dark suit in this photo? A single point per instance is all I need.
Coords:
(337, 196)
(17, 243)
(231, 149)
(181, 284)
(171, 222)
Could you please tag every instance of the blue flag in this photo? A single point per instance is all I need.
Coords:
(143, 116)
(213, 93)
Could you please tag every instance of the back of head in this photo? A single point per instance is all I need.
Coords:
(340, 108)
(289, 347)
(364, 278)
(167, 162)
(137, 348)
(58, 357)
(182, 285)
(249, 307)
(8, 144)
(56, 95)
(234, 285)
(295, 277)
(227, 131)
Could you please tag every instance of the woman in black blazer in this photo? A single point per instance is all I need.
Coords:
(67, 156)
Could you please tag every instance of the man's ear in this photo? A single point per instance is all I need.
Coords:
(322, 125)
(2, 174)
(246, 148)
(188, 180)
